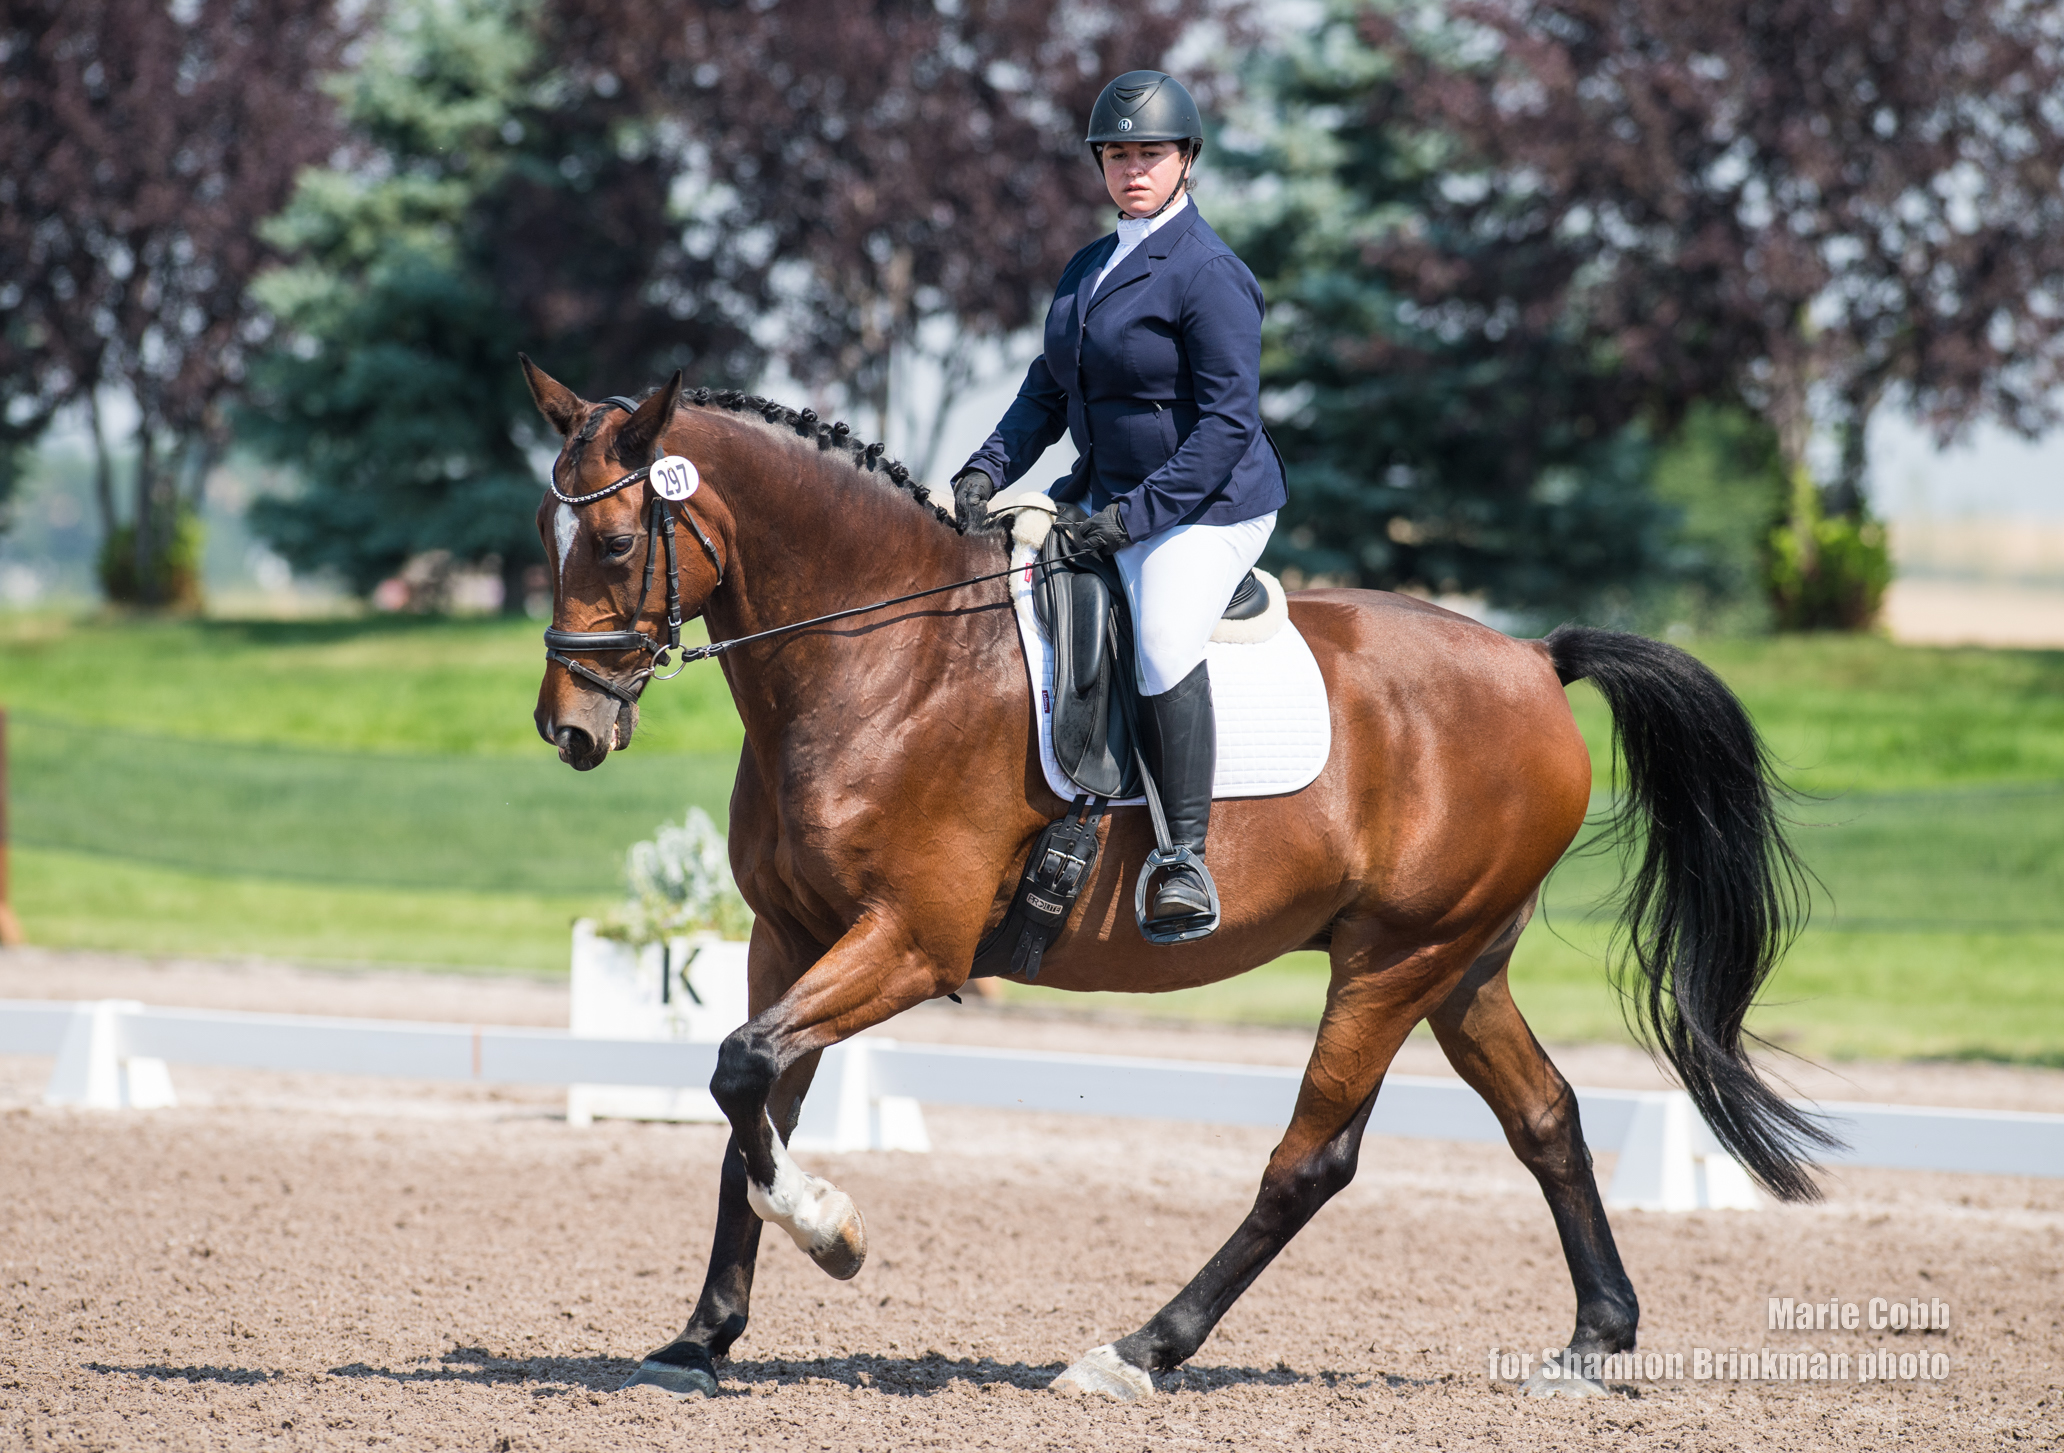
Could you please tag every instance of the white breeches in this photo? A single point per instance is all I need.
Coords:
(1178, 583)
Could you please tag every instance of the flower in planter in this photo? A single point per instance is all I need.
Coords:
(679, 882)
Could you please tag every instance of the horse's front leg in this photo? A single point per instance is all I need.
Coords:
(688, 1364)
(875, 972)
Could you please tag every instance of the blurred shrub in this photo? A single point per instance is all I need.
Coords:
(1826, 573)
(175, 564)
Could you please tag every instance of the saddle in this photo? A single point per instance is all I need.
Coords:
(1082, 611)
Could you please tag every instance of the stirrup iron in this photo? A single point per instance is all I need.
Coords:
(1180, 930)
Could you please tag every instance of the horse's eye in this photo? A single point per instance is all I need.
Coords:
(620, 546)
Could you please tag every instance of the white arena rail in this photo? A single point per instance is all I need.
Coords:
(113, 1054)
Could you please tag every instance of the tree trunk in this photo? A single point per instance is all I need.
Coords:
(956, 373)
(147, 523)
(103, 469)
(512, 571)
(1845, 497)
(201, 453)
(1791, 415)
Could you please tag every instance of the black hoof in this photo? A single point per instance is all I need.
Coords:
(695, 1379)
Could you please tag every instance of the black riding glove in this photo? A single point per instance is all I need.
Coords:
(1102, 533)
(972, 491)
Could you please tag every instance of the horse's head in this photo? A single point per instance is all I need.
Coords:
(620, 582)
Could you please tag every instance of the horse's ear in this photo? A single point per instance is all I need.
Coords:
(560, 405)
(640, 433)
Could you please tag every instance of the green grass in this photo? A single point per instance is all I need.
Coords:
(379, 684)
(76, 900)
(1859, 714)
(1934, 826)
(1838, 995)
(372, 791)
(479, 824)
(348, 791)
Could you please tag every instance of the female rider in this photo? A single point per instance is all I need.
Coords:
(1152, 364)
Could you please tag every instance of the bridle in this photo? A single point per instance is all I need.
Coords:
(659, 531)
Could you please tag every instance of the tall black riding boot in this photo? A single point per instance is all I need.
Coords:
(1180, 742)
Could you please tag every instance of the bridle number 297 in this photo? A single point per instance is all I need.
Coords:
(674, 477)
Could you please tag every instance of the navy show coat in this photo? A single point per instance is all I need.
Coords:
(1156, 377)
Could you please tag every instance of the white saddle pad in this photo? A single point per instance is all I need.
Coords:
(1274, 730)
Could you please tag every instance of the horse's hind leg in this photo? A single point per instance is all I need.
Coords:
(1490, 1046)
(1368, 1014)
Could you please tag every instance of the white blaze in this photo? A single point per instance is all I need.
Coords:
(565, 525)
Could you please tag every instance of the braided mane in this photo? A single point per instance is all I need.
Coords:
(837, 439)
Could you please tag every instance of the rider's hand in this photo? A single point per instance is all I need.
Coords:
(972, 491)
(1103, 532)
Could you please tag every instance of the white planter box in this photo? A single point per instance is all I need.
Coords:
(693, 989)
(687, 989)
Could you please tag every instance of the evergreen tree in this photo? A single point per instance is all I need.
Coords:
(489, 203)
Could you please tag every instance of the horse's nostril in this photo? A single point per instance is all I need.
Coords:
(575, 745)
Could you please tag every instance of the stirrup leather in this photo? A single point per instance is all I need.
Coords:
(1174, 930)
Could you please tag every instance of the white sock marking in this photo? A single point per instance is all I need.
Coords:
(809, 1208)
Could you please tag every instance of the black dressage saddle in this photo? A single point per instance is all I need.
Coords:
(1094, 704)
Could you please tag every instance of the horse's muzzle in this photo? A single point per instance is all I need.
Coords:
(586, 736)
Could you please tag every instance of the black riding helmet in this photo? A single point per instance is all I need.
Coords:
(1145, 106)
(1148, 106)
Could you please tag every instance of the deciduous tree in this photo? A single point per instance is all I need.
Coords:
(1803, 204)
(144, 143)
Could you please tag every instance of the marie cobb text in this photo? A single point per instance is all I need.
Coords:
(1879, 1314)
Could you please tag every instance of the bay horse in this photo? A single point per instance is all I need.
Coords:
(889, 792)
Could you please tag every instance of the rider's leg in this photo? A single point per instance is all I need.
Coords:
(1180, 742)
(1178, 583)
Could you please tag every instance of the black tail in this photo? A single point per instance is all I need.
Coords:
(1718, 894)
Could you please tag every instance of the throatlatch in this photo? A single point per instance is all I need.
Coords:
(1060, 864)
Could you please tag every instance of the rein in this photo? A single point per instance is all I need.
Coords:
(660, 528)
